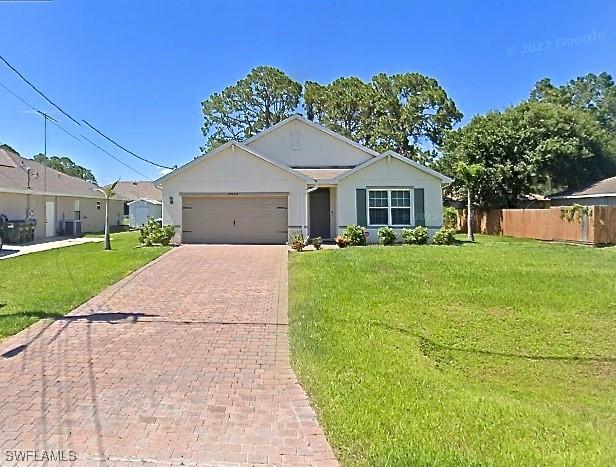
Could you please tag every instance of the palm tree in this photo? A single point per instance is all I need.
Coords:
(468, 174)
(109, 193)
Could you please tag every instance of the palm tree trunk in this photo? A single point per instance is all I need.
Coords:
(107, 239)
(469, 218)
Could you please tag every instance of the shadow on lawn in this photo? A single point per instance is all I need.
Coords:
(428, 343)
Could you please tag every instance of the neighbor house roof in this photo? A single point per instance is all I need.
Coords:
(137, 190)
(43, 180)
(146, 200)
(444, 179)
(602, 188)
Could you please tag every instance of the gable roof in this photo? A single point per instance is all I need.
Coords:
(312, 124)
(146, 200)
(444, 179)
(136, 190)
(322, 175)
(229, 144)
(43, 180)
(606, 187)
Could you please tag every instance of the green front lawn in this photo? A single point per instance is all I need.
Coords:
(52, 283)
(496, 353)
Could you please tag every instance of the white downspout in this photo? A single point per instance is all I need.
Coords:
(305, 225)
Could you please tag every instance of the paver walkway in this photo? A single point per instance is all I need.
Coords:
(184, 362)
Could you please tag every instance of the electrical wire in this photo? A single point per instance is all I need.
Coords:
(37, 90)
(70, 117)
(124, 149)
(114, 157)
(54, 122)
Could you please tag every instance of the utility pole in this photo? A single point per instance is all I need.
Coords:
(45, 118)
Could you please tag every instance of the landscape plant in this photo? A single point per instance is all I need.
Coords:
(342, 241)
(444, 236)
(468, 176)
(450, 217)
(317, 242)
(298, 241)
(108, 193)
(356, 235)
(387, 236)
(415, 236)
(153, 234)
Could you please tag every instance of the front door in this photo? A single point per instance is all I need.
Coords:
(319, 213)
(50, 218)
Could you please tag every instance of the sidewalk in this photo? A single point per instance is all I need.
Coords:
(11, 251)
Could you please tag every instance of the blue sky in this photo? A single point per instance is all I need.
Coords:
(138, 70)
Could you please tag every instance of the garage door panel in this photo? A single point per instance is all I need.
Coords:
(234, 220)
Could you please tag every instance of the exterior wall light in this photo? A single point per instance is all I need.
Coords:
(170, 199)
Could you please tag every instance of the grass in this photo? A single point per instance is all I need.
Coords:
(49, 284)
(501, 352)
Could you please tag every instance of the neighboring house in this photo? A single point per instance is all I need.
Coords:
(60, 204)
(602, 192)
(142, 210)
(143, 201)
(297, 176)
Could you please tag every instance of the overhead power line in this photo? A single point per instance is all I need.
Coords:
(55, 122)
(37, 90)
(127, 150)
(114, 157)
(71, 118)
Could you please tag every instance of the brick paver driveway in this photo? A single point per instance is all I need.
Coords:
(184, 362)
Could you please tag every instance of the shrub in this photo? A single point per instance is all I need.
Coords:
(298, 242)
(444, 236)
(387, 235)
(153, 234)
(317, 242)
(450, 217)
(356, 235)
(417, 236)
(342, 241)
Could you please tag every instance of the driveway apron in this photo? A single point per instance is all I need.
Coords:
(185, 362)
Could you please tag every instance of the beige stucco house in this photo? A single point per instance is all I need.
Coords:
(297, 176)
(60, 204)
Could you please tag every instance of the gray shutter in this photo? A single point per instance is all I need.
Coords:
(360, 198)
(418, 200)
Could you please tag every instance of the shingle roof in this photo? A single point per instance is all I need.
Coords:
(43, 180)
(602, 187)
(139, 190)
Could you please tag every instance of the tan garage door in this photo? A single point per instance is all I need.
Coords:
(234, 219)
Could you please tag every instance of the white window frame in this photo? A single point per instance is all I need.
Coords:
(389, 207)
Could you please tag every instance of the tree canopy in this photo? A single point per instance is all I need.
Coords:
(409, 113)
(344, 106)
(263, 98)
(67, 166)
(9, 148)
(595, 94)
(534, 147)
